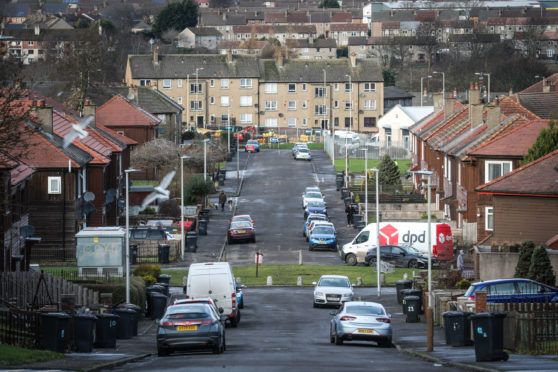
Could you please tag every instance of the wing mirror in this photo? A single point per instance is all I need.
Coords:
(221, 311)
(332, 313)
(314, 283)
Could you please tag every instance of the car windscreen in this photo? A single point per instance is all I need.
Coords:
(366, 310)
(334, 282)
(314, 195)
(470, 291)
(241, 225)
(323, 230)
(185, 309)
(316, 204)
(412, 250)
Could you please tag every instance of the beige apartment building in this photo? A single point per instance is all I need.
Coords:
(275, 93)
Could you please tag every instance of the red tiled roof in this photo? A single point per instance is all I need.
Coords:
(20, 173)
(537, 178)
(515, 142)
(509, 106)
(537, 87)
(341, 17)
(348, 27)
(390, 25)
(426, 16)
(118, 112)
(275, 17)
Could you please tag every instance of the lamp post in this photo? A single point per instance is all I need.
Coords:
(324, 93)
(350, 91)
(237, 156)
(197, 90)
(429, 315)
(366, 185)
(421, 88)
(229, 128)
(187, 99)
(182, 237)
(205, 159)
(127, 171)
(376, 171)
(443, 87)
(488, 87)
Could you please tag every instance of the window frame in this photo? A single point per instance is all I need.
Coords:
(488, 163)
(51, 181)
(489, 218)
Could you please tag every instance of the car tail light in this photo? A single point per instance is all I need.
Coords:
(251, 231)
(234, 299)
(472, 298)
(346, 317)
(383, 320)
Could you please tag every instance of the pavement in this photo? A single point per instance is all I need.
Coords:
(409, 338)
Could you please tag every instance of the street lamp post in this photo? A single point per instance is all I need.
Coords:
(324, 93)
(350, 91)
(429, 315)
(443, 87)
(488, 87)
(237, 156)
(205, 159)
(378, 278)
(198, 91)
(182, 237)
(421, 88)
(229, 128)
(127, 171)
(366, 185)
(187, 99)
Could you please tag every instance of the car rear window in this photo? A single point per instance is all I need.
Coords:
(323, 230)
(316, 204)
(369, 310)
(139, 234)
(314, 195)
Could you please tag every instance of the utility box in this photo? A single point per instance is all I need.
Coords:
(101, 251)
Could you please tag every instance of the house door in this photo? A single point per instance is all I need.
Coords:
(199, 121)
(324, 123)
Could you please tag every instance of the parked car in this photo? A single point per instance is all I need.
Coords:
(243, 217)
(312, 217)
(241, 230)
(252, 146)
(315, 207)
(361, 321)
(332, 290)
(512, 290)
(303, 154)
(311, 195)
(148, 233)
(311, 189)
(322, 236)
(399, 256)
(190, 326)
(299, 145)
(239, 294)
(314, 224)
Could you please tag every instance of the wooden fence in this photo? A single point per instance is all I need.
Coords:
(33, 290)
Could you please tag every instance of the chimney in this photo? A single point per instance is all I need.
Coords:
(224, 16)
(90, 109)
(474, 94)
(44, 115)
(229, 56)
(492, 116)
(475, 112)
(448, 107)
(352, 58)
(156, 55)
(37, 29)
(438, 100)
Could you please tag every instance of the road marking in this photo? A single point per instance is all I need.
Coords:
(316, 178)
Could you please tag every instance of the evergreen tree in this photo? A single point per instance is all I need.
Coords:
(176, 16)
(388, 172)
(524, 261)
(329, 4)
(541, 268)
(546, 142)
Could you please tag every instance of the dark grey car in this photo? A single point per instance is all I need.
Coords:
(190, 326)
(399, 256)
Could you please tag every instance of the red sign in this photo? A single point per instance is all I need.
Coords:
(389, 235)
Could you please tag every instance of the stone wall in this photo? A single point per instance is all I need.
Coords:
(499, 265)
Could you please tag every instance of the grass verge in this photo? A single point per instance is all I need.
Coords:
(357, 165)
(11, 355)
(288, 274)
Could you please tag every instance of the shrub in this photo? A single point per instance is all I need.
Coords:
(149, 279)
(524, 261)
(148, 210)
(463, 284)
(188, 135)
(147, 269)
(541, 268)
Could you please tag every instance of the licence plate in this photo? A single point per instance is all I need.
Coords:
(241, 231)
(187, 328)
(371, 331)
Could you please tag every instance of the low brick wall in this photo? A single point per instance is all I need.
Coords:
(498, 265)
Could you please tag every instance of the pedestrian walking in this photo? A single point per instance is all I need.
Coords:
(460, 261)
(222, 200)
(349, 211)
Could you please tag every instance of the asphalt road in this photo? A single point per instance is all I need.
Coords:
(280, 331)
(271, 194)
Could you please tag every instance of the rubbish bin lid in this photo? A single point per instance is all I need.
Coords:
(164, 245)
(107, 315)
(130, 306)
(411, 298)
(124, 310)
(158, 294)
(452, 314)
(489, 315)
(85, 316)
(191, 233)
(403, 281)
(56, 315)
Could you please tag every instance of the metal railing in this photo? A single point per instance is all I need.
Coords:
(20, 328)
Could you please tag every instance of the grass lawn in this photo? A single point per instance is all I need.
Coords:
(11, 355)
(144, 182)
(357, 165)
(288, 274)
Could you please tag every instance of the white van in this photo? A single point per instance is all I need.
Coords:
(411, 234)
(214, 280)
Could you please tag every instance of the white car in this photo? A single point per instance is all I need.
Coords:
(311, 188)
(332, 290)
(303, 154)
(311, 196)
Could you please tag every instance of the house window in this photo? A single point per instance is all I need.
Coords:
(246, 118)
(196, 105)
(304, 122)
(270, 88)
(270, 105)
(245, 100)
(348, 105)
(167, 84)
(369, 87)
(145, 83)
(245, 83)
(212, 119)
(195, 88)
(495, 169)
(271, 122)
(304, 87)
(179, 83)
(291, 122)
(212, 83)
(348, 87)
(224, 100)
(370, 104)
(291, 106)
(370, 122)
(211, 100)
(225, 119)
(335, 104)
(292, 87)
(550, 53)
(55, 185)
(319, 110)
(336, 86)
(489, 218)
(320, 92)
(224, 83)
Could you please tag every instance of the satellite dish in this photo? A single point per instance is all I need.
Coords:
(88, 196)
(121, 203)
(27, 231)
(89, 208)
(111, 195)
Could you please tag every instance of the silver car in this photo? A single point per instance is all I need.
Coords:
(332, 290)
(361, 321)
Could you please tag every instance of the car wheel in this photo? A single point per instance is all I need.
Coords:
(162, 351)
(413, 264)
(315, 305)
(331, 338)
(218, 349)
(234, 323)
(372, 263)
(241, 304)
(386, 343)
(351, 259)
(253, 239)
(224, 343)
(310, 248)
(338, 340)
